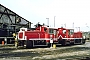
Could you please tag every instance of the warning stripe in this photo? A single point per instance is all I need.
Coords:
(71, 38)
(39, 39)
(67, 38)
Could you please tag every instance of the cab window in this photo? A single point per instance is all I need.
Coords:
(45, 29)
(64, 31)
(71, 32)
(51, 31)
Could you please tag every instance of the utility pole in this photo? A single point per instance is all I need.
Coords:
(65, 25)
(87, 26)
(47, 21)
(54, 21)
(79, 28)
(73, 24)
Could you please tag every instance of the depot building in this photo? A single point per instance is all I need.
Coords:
(10, 22)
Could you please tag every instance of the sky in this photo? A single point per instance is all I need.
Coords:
(66, 13)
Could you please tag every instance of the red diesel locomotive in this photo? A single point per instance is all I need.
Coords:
(42, 35)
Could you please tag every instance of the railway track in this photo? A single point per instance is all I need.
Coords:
(40, 53)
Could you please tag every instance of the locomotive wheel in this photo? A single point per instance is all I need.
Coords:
(29, 44)
(22, 43)
(48, 44)
(80, 41)
(83, 41)
(68, 43)
(77, 41)
(63, 42)
(72, 43)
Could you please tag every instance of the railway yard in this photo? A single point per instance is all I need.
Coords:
(19, 41)
(73, 52)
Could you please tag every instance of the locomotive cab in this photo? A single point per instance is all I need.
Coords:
(65, 36)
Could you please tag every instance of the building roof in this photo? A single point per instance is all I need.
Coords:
(7, 16)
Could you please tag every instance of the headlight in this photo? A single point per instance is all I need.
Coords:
(65, 36)
(50, 36)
